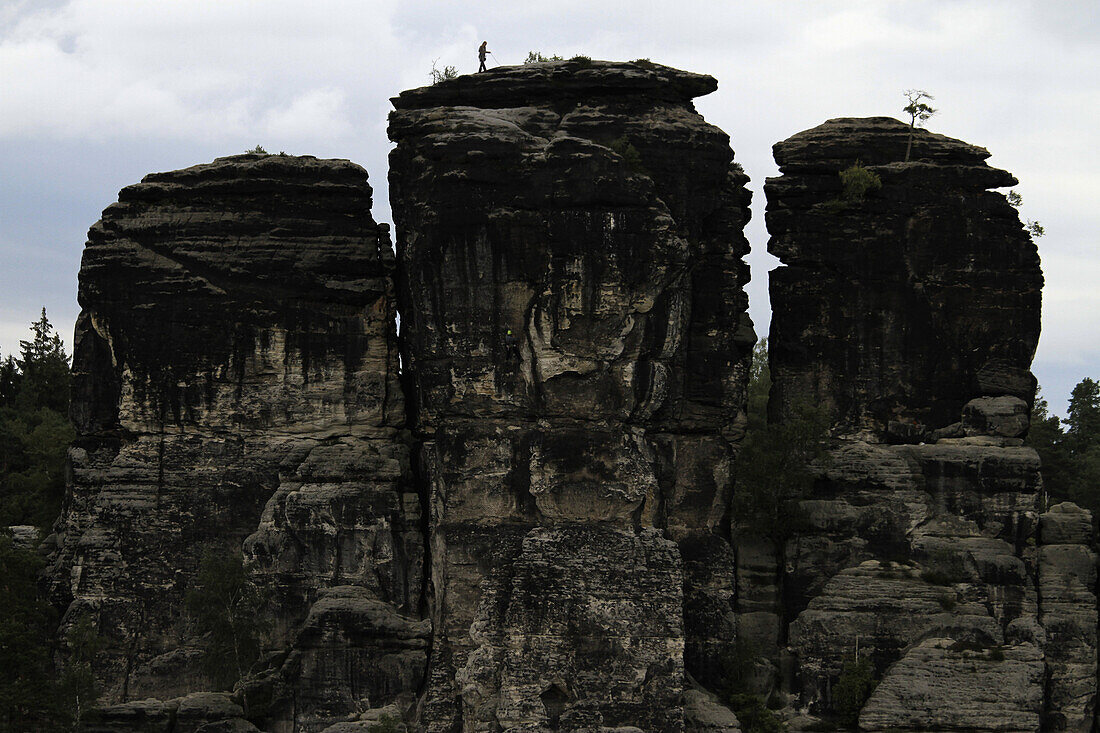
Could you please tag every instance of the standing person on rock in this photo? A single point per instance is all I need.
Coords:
(482, 52)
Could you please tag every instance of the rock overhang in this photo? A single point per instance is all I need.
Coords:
(574, 79)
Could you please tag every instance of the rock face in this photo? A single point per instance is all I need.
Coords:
(574, 331)
(942, 685)
(900, 308)
(236, 385)
(911, 315)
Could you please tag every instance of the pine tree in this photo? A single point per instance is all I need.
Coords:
(1046, 437)
(44, 369)
(9, 380)
(1082, 441)
(1083, 419)
(34, 428)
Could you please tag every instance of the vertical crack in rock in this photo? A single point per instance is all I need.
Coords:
(911, 315)
(235, 388)
(576, 345)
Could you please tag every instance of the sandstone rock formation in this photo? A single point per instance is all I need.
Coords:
(896, 310)
(911, 315)
(576, 343)
(1068, 613)
(542, 540)
(235, 384)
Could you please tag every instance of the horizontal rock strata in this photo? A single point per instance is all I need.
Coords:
(544, 541)
(944, 685)
(1068, 613)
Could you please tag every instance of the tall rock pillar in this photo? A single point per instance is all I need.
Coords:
(576, 350)
(896, 309)
(236, 391)
(908, 309)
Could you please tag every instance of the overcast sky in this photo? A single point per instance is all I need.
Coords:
(94, 94)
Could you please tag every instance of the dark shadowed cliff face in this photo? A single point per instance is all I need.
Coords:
(912, 317)
(588, 209)
(235, 383)
(902, 307)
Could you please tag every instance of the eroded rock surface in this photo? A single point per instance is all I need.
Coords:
(910, 316)
(1067, 597)
(235, 385)
(943, 685)
(569, 236)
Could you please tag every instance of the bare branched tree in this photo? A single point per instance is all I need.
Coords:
(918, 111)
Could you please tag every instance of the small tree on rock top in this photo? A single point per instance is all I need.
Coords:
(918, 111)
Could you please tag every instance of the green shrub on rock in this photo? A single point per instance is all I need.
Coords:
(852, 688)
(224, 605)
(775, 471)
(440, 75)
(857, 181)
(536, 57)
(386, 724)
(630, 155)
